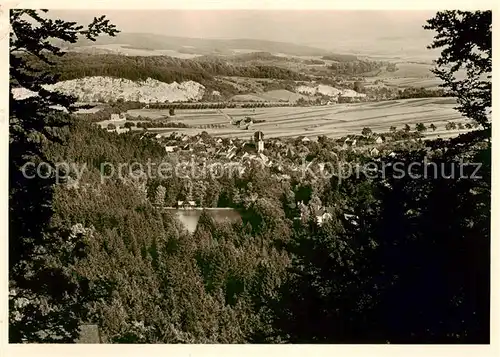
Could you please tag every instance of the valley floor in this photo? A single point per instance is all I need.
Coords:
(334, 121)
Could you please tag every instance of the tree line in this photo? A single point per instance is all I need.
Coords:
(163, 68)
(353, 68)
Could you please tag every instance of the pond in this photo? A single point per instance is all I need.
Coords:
(190, 217)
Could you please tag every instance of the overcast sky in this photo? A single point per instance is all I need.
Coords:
(320, 28)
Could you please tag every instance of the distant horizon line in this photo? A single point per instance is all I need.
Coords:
(238, 38)
(313, 45)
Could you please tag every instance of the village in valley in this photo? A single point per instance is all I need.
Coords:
(281, 154)
(283, 158)
(265, 177)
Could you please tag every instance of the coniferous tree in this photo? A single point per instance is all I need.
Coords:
(43, 292)
(465, 40)
(410, 260)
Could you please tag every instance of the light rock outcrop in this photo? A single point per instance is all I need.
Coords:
(329, 91)
(93, 89)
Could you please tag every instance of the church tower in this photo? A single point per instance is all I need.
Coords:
(258, 138)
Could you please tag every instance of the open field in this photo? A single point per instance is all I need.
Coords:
(410, 70)
(200, 46)
(427, 83)
(269, 96)
(409, 74)
(333, 121)
(128, 50)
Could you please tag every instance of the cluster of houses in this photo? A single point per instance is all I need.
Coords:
(281, 155)
(116, 123)
(216, 147)
(351, 141)
(323, 214)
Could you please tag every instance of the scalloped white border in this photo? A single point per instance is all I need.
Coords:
(234, 350)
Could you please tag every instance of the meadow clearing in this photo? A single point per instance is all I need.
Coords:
(408, 74)
(334, 121)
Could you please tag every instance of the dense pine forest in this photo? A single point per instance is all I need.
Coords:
(401, 260)
(270, 278)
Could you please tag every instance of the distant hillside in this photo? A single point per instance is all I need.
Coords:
(163, 68)
(340, 58)
(255, 56)
(201, 46)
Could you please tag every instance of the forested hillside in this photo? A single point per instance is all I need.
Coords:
(400, 254)
(200, 45)
(252, 281)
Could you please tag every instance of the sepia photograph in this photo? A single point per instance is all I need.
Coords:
(249, 176)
